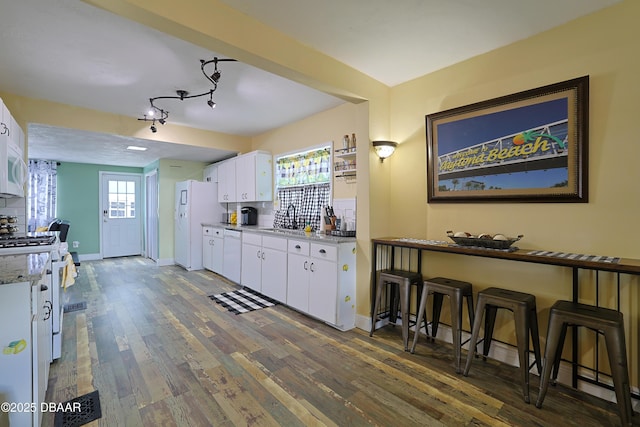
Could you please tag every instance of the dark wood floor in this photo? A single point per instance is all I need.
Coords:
(161, 353)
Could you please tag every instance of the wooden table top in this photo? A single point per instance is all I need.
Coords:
(619, 265)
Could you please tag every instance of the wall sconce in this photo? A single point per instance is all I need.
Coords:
(384, 149)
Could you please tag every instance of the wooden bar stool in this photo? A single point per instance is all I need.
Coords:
(403, 280)
(457, 291)
(603, 320)
(525, 315)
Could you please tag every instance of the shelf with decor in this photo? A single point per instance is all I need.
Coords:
(345, 164)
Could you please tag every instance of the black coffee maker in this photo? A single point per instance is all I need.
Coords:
(249, 216)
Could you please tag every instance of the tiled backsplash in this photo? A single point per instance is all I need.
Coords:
(15, 206)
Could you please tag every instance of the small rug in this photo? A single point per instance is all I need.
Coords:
(79, 411)
(74, 306)
(242, 300)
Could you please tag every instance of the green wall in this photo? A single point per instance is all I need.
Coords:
(78, 202)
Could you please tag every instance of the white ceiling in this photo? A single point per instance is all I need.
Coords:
(70, 52)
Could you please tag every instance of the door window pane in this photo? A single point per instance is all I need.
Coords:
(122, 196)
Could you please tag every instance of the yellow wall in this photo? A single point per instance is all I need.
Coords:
(603, 46)
(29, 110)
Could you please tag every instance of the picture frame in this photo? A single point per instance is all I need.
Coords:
(530, 146)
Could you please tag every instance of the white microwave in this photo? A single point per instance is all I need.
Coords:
(13, 170)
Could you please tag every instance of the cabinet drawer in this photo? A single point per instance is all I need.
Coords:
(211, 231)
(328, 252)
(298, 247)
(252, 238)
(278, 243)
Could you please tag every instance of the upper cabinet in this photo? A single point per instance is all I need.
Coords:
(210, 173)
(254, 177)
(227, 181)
(246, 178)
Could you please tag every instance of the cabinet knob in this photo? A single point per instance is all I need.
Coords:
(298, 247)
(44, 288)
(322, 251)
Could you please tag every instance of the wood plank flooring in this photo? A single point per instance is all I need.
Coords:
(163, 354)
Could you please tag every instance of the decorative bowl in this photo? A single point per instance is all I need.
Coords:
(484, 242)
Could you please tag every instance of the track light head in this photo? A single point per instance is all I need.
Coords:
(162, 121)
(153, 128)
(211, 103)
(216, 76)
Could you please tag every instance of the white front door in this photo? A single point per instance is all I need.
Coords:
(121, 214)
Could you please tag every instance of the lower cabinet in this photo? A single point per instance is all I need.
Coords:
(264, 265)
(321, 281)
(212, 248)
(313, 276)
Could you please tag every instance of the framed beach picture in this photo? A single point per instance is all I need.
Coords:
(527, 147)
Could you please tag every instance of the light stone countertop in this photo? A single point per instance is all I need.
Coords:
(22, 268)
(282, 232)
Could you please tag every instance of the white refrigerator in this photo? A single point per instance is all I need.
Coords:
(196, 203)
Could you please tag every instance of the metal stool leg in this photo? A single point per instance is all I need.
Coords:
(553, 349)
(480, 309)
(616, 346)
(421, 313)
(374, 316)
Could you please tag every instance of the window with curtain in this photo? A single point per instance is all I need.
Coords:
(306, 201)
(41, 199)
(303, 182)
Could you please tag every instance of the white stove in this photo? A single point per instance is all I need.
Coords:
(36, 243)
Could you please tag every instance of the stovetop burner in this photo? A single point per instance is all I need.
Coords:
(22, 241)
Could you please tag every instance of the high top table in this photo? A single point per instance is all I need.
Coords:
(383, 255)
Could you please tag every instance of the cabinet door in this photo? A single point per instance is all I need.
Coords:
(207, 249)
(210, 174)
(251, 266)
(227, 181)
(246, 178)
(217, 254)
(323, 289)
(274, 274)
(264, 177)
(298, 282)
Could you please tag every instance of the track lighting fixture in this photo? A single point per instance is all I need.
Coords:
(161, 115)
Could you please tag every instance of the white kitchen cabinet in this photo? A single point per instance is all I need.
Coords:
(213, 248)
(251, 274)
(254, 177)
(227, 181)
(210, 174)
(323, 290)
(10, 130)
(298, 263)
(264, 265)
(322, 281)
(274, 267)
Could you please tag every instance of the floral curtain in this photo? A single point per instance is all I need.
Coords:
(41, 199)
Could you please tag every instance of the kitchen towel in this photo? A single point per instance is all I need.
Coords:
(69, 272)
(242, 300)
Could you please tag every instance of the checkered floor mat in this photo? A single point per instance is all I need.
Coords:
(242, 300)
